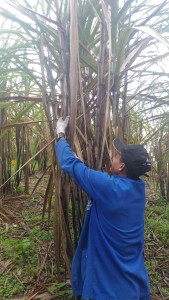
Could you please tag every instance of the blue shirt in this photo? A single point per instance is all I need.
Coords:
(108, 263)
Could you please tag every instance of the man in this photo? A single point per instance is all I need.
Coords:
(108, 263)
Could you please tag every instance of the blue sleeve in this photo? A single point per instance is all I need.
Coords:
(89, 180)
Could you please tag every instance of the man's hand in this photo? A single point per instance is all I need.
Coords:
(61, 125)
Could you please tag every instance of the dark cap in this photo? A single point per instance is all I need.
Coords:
(135, 157)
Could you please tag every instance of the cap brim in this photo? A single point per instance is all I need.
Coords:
(118, 145)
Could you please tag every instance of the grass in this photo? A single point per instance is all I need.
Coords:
(23, 250)
(157, 246)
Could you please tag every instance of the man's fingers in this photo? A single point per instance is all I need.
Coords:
(66, 121)
(60, 119)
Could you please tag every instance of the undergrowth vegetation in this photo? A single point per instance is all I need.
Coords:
(27, 257)
(157, 246)
(104, 63)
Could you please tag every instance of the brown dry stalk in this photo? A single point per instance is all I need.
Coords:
(41, 150)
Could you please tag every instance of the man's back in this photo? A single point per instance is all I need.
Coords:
(112, 264)
(108, 263)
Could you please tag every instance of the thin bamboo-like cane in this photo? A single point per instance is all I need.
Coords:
(108, 21)
(100, 95)
(74, 58)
